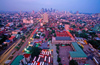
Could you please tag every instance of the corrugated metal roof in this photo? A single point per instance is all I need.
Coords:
(63, 38)
(17, 60)
(78, 53)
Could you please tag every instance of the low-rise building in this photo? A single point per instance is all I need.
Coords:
(78, 53)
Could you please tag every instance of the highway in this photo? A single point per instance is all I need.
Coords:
(23, 46)
(8, 52)
(11, 49)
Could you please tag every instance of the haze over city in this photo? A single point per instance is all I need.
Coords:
(49, 32)
(84, 6)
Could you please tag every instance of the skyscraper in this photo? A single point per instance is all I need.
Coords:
(27, 21)
(45, 17)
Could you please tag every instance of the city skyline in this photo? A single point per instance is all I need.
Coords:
(84, 6)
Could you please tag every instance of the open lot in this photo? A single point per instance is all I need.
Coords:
(64, 54)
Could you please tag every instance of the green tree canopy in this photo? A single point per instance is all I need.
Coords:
(58, 59)
(95, 43)
(73, 62)
(23, 38)
(17, 48)
(83, 35)
(43, 34)
(35, 51)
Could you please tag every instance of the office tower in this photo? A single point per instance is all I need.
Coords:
(45, 9)
(77, 12)
(42, 10)
(99, 15)
(51, 9)
(45, 17)
(33, 12)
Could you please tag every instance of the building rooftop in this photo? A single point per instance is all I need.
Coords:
(26, 55)
(17, 60)
(7, 41)
(63, 38)
(63, 33)
(78, 53)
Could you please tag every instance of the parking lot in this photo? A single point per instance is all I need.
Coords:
(64, 54)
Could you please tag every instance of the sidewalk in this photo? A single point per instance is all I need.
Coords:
(19, 52)
(54, 55)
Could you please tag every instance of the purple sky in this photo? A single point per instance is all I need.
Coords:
(85, 6)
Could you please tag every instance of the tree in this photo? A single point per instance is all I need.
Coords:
(60, 63)
(19, 33)
(53, 31)
(83, 31)
(43, 35)
(54, 35)
(39, 33)
(45, 38)
(95, 43)
(35, 51)
(73, 26)
(80, 27)
(57, 51)
(23, 38)
(37, 37)
(4, 37)
(17, 48)
(15, 28)
(60, 27)
(72, 32)
(67, 44)
(19, 25)
(57, 47)
(27, 32)
(81, 47)
(93, 34)
(58, 59)
(57, 44)
(49, 39)
(73, 62)
(83, 35)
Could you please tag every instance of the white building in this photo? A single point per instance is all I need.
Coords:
(27, 21)
(45, 17)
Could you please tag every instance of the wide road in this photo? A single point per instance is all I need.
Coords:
(26, 43)
(8, 52)
(23, 46)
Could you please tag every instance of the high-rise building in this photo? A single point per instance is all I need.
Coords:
(99, 15)
(33, 12)
(27, 21)
(42, 10)
(77, 12)
(45, 17)
(51, 9)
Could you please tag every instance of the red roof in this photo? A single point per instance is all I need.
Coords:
(41, 28)
(1, 32)
(39, 42)
(71, 28)
(26, 55)
(21, 28)
(64, 34)
(11, 37)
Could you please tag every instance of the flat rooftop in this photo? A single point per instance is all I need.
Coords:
(17, 60)
(63, 38)
(62, 34)
(78, 53)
